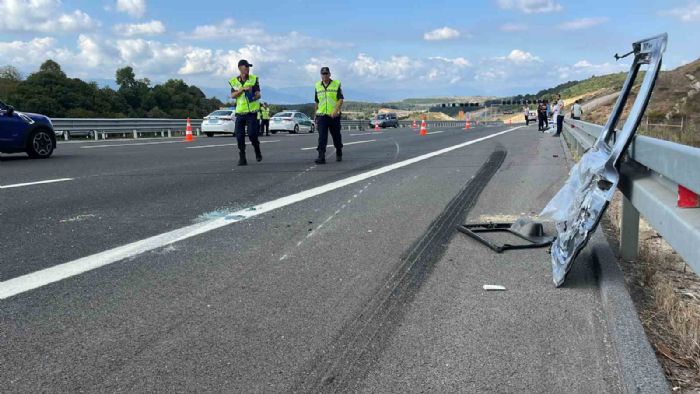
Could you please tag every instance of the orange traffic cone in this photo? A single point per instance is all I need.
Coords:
(423, 128)
(376, 127)
(415, 126)
(188, 132)
(510, 122)
(467, 125)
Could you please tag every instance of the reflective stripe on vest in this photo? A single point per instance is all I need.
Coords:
(243, 105)
(327, 97)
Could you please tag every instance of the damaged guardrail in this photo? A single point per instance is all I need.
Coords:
(649, 183)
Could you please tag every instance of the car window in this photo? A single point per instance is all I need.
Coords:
(381, 117)
(221, 113)
(298, 116)
(283, 115)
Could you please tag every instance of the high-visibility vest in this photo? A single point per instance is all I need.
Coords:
(243, 104)
(265, 113)
(327, 97)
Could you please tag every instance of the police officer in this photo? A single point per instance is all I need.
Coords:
(246, 90)
(329, 101)
(264, 117)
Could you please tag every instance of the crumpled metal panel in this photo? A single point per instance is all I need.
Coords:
(578, 207)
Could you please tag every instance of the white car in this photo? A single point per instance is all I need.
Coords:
(291, 121)
(222, 121)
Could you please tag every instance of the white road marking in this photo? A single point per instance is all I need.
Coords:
(347, 143)
(436, 132)
(234, 144)
(132, 144)
(374, 132)
(36, 183)
(59, 272)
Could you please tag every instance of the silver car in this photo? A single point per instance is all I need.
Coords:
(291, 121)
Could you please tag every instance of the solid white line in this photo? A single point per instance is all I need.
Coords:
(436, 132)
(234, 144)
(132, 144)
(348, 143)
(59, 272)
(375, 132)
(36, 183)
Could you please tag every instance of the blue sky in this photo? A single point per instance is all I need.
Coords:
(380, 50)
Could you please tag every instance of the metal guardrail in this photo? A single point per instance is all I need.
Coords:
(649, 183)
(133, 127)
(176, 127)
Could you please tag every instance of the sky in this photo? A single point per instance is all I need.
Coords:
(380, 50)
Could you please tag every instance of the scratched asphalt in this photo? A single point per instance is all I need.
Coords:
(369, 276)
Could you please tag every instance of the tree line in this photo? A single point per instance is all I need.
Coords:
(50, 92)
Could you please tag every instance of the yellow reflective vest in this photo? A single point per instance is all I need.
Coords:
(245, 105)
(327, 97)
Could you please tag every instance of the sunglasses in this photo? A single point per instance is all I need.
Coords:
(325, 73)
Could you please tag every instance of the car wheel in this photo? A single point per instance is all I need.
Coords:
(311, 129)
(40, 145)
(273, 131)
(209, 134)
(296, 129)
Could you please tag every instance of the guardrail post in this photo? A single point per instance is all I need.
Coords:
(198, 132)
(65, 135)
(136, 134)
(629, 231)
(97, 135)
(170, 133)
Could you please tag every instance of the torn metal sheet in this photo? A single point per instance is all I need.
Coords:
(578, 207)
(530, 231)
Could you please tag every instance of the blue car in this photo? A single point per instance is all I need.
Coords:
(25, 132)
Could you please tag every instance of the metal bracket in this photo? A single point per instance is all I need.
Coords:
(532, 232)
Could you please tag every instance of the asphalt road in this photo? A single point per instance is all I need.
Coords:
(362, 285)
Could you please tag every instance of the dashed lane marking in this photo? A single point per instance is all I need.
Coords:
(36, 183)
(345, 144)
(234, 144)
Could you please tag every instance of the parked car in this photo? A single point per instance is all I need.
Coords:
(385, 120)
(68, 134)
(25, 132)
(291, 121)
(532, 115)
(222, 121)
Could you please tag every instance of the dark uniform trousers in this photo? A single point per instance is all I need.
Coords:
(250, 120)
(325, 124)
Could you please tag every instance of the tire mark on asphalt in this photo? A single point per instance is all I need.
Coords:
(344, 363)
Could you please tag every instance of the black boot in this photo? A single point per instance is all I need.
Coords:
(241, 159)
(258, 154)
(339, 155)
(321, 158)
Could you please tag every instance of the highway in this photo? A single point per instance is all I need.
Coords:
(159, 265)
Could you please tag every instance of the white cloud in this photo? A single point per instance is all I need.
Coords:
(151, 28)
(513, 27)
(531, 6)
(444, 33)
(518, 56)
(32, 53)
(688, 13)
(42, 16)
(226, 29)
(583, 23)
(585, 69)
(135, 8)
